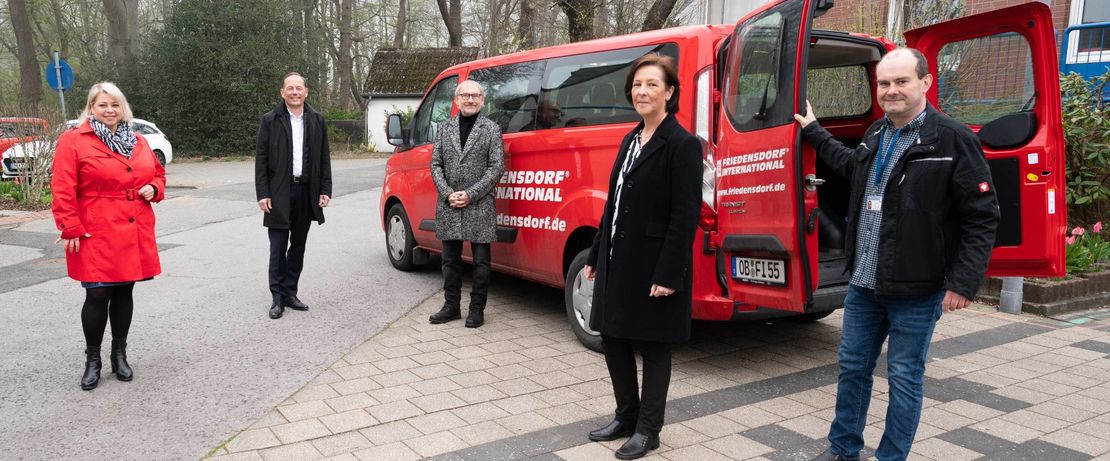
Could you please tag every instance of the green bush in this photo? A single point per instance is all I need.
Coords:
(1086, 121)
(208, 76)
(340, 114)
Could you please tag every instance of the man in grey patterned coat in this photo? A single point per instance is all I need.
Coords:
(467, 161)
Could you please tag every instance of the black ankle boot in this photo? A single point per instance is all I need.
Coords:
(447, 314)
(119, 360)
(475, 317)
(92, 369)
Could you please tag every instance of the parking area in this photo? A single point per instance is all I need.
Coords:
(521, 387)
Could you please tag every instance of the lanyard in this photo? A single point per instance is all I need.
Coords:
(883, 159)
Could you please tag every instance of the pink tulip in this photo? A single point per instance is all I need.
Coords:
(1070, 240)
(1098, 227)
(1078, 231)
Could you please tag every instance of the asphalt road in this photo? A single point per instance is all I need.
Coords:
(208, 361)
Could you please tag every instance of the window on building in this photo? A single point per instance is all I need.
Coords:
(1095, 40)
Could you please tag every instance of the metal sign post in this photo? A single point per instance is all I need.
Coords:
(60, 78)
(58, 75)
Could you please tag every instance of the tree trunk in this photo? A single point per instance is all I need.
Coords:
(30, 81)
(347, 93)
(312, 48)
(452, 18)
(657, 15)
(399, 30)
(63, 38)
(580, 18)
(527, 29)
(123, 27)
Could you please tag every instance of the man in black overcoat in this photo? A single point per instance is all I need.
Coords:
(292, 179)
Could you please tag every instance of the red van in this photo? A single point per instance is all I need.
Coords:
(771, 233)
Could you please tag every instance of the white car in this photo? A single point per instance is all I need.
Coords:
(157, 140)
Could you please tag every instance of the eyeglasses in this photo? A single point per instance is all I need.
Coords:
(465, 96)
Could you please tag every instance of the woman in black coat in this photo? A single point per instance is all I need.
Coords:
(641, 257)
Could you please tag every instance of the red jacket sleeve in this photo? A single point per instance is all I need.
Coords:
(159, 181)
(63, 186)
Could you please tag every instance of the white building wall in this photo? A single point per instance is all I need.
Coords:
(377, 109)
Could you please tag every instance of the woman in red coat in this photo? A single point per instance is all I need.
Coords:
(105, 178)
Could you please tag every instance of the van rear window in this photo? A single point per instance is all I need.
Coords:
(839, 91)
(982, 79)
(580, 90)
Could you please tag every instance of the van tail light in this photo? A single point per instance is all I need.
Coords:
(703, 125)
(707, 219)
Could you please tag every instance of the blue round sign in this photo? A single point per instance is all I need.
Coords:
(52, 75)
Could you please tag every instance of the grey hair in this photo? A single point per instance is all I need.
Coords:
(481, 89)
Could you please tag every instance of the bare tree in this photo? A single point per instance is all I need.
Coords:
(347, 95)
(658, 14)
(123, 28)
(580, 18)
(399, 30)
(526, 33)
(311, 38)
(452, 18)
(30, 86)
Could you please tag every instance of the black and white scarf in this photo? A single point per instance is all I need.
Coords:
(122, 141)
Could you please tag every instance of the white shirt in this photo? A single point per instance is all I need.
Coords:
(297, 124)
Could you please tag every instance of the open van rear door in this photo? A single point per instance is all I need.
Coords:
(767, 255)
(997, 72)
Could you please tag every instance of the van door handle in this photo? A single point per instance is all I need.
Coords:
(812, 181)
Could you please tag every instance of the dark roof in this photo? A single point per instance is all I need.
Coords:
(409, 71)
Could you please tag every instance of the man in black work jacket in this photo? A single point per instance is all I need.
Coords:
(922, 216)
(292, 179)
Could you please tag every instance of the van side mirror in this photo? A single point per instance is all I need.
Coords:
(393, 131)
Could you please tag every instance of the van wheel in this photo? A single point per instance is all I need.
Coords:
(809, 317)
(579, 294)
(399, 241)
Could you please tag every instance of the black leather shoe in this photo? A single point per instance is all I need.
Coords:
(828, 455)
(91, 377)
(445, 315)
(293, 303)
(475, 317)
(638, 446)
(612, 431)
(276, 310)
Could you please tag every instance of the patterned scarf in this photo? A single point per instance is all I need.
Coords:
(121, 142)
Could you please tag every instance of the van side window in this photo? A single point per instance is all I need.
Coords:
(760, 80)
(839, 91)
(511, 93)
(588, 89)
(983, 79)
(435, 110)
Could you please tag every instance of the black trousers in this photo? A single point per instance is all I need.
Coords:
(452, 274)
(646, 409)
(287, 245)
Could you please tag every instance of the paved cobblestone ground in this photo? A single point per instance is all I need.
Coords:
(999, 387)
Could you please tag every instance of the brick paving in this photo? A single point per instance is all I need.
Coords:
(10, 217)
(521, 387)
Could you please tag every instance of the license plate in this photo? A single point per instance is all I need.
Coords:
(761, 271)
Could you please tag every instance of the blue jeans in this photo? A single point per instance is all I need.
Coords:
(868, 321)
